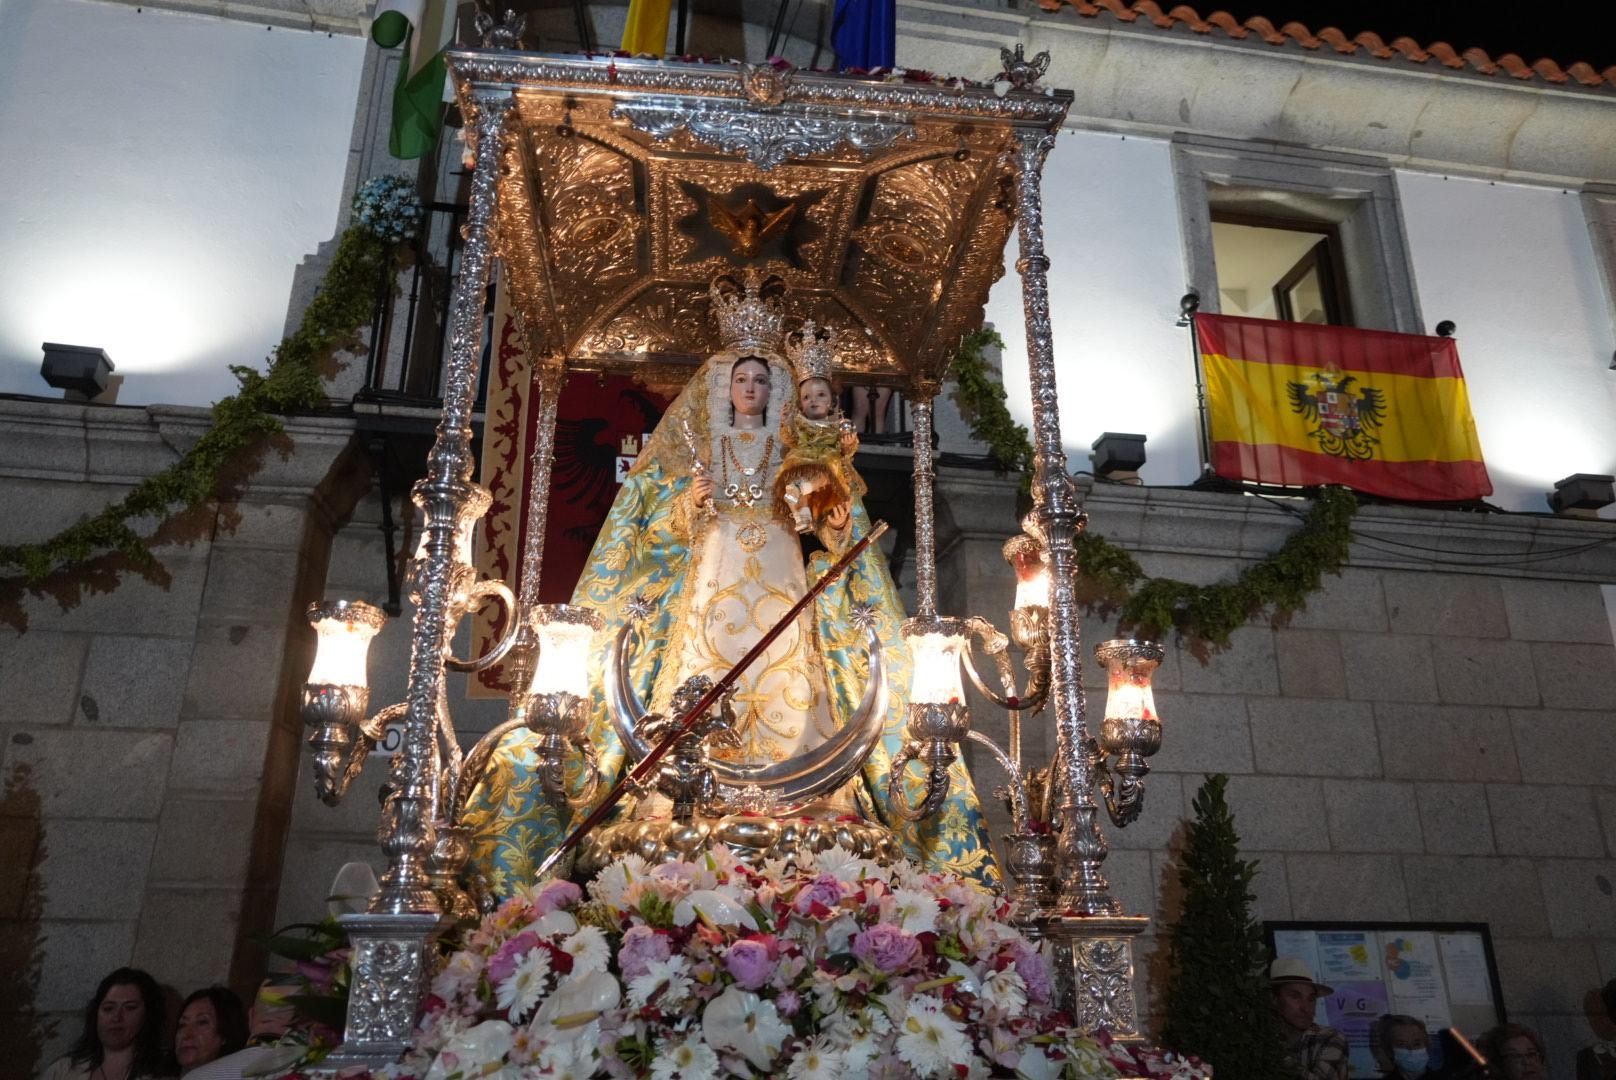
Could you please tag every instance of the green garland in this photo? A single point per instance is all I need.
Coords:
(1113, 580)
(344, 303)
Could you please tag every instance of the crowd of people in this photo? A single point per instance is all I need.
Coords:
(126, 1035)
(1403, 1048)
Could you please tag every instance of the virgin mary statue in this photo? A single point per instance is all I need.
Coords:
(694, 534)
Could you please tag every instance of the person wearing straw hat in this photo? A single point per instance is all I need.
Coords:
(1313, 1051)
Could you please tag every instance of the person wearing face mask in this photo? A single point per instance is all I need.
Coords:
(1403, 1042)
(122, 1037)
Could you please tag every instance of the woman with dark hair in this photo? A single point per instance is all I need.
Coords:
(1514, 1052)
(1598, 1061)
(1402, 1041)
(213, 1023)
(122, 1037)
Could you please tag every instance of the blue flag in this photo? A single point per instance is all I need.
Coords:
(864, 33)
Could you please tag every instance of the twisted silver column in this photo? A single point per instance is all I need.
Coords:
(408, 828)
(925, 513)
(1082, 848)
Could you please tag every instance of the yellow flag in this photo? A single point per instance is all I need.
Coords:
(647, 28)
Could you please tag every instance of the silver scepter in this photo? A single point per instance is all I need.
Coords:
(698, 467)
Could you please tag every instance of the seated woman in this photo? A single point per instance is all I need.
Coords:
(212, 1024)
(1402, 1041)
(122, 1035)
(1514, 1052)
(694, 531)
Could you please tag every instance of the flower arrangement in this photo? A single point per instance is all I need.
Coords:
(826, 966)
(388, 207)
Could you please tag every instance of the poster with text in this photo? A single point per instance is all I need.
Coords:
(1414, 976)
(1352, 1009)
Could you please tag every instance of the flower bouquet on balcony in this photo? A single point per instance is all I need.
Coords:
(825, 966)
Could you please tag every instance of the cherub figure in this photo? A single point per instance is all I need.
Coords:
(816, 482)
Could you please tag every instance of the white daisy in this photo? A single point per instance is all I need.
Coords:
(842, 864)
(929, 1040)
(589, 950)
(611, 883)
(816, 1061)
(671, 976)
(518, 994)
(691, 1059)
(916, 911)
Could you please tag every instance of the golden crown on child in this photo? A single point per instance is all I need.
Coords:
(748, 310)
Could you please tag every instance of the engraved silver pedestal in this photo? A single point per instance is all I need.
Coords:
(392, 962)
(1093, 969)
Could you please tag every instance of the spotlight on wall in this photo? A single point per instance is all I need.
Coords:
(80, 371)
(1119, 456)
(1188, 305)
(1582, 494)
(1446, 328)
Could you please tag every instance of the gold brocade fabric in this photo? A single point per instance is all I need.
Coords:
(718, 582)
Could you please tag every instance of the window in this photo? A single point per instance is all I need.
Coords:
(1286, 232)
(1273, 269)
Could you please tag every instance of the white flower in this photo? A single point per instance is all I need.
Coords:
(611, 883)
(1036, 1065)
(816, 1061)
(842, 864)
(916, 910)
(929, 1040)
(552, 923)
(741, 1021)
(1005, 991)
(518, 994)
(691, 1059)
(570, 1016)
(458, 975)
(715, 909)
(588, 949)
(671, 976)
(840, 933)
(470, 1052)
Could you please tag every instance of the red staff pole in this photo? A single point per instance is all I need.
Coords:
(688, 720)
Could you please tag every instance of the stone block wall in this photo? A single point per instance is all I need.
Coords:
(1431, 739)
(147, 728)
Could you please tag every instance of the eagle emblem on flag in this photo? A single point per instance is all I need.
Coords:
(1345, 417)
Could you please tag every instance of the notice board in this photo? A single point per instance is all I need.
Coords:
(1442, 973)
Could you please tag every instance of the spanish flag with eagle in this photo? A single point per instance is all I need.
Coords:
(1302, 404)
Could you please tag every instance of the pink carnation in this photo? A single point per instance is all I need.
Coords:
(886, 948)
(824, 891)
(1033, 971)
(556, 895)
(749, 962)
(503, 963)
(641, 946)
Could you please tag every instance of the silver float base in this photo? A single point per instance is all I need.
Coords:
(1092, 957)
(392, 964)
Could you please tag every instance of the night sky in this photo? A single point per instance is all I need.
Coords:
(1563, 30)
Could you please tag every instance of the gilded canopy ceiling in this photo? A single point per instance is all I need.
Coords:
(630, 184)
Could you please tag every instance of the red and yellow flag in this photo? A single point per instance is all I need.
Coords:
(1302, 404)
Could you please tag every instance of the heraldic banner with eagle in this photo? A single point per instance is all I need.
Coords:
(1302, 404)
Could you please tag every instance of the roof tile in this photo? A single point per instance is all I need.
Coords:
(1475, 59)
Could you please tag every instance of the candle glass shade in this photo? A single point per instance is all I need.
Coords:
(1131, 726)
(566, 638)
(343, 629)
(936, 649)
(1026, 558)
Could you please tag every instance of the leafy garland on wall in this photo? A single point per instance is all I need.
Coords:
(1113, 580)
(343, 303)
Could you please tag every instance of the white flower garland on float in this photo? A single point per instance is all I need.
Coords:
(825, 966)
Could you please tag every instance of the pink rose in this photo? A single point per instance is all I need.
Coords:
(748, 961)
(503, 963)
(641, 946)
(555, 896)
(886, 948)
(818, 897)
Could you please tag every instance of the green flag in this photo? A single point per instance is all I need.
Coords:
(425, 28)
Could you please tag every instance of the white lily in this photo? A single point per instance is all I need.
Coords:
(715, 909)
(472, 1052)
(741, 1021)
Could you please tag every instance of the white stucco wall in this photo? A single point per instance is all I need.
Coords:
(1116, 274)
(160, 177)
(1514, 267)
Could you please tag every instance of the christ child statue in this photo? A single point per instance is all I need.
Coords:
(816, 481)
